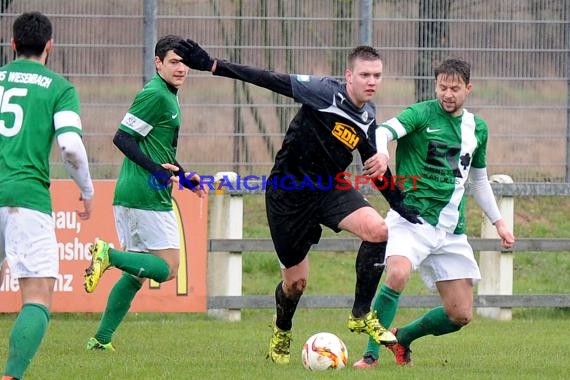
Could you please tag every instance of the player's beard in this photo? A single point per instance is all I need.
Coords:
(452, 111)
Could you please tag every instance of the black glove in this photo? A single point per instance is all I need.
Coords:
(190, 184)
(194, 56)
(395, 197)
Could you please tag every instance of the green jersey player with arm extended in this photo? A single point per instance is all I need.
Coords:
(443, 144)
(144, 218)
(36, 107)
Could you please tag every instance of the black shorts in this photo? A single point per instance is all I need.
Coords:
(295, 216)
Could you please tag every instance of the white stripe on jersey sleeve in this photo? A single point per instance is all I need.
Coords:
(63, 119)
(138, 125)
(397, 127)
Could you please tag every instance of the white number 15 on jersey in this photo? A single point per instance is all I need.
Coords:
(16, 109)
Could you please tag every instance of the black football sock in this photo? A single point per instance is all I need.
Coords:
(285, 308)
(369, 269)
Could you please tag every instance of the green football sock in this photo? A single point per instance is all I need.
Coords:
(138, 264)
(385, 305)
(118, 305)
(434, 322)
(26, 337)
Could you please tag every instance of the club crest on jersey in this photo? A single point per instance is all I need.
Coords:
(130, 121)
(364, 116)
(346, 134)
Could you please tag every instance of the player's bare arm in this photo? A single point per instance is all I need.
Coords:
(507, 237)
(376, 165)
(87, 209)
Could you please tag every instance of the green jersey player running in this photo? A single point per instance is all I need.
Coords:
(443, 143)
(145, 221)
(36, 106)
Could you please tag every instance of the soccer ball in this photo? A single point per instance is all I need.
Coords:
(323, 351)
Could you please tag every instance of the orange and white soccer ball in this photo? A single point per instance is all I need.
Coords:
(323, 351)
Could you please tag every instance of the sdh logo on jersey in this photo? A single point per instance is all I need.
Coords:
(346, 134)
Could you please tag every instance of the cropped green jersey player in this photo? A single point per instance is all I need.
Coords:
(145, 221)
(334, 120)
(444, 144)
(36, 107)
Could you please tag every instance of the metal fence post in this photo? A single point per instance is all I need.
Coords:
(225, 268)
(365, 24)
(149, 26)
(497, 267)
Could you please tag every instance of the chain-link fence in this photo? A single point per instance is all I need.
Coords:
(519, 50)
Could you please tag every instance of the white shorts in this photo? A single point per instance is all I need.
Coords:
(146, 230)
(438, 254)
(28, 243)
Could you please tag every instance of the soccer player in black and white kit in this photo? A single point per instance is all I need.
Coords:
(333, 121)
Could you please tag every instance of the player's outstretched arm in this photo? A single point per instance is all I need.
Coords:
(75, 160)
(194, 56)
(197, 58)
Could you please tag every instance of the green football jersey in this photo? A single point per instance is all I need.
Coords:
(36, 105)
(154, 120)
(439, 149)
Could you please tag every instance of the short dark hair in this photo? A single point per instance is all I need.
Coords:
(31, 32)
(165, 44)
(364, 52)
(454, 67)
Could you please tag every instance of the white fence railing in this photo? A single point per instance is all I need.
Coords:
(494, 297)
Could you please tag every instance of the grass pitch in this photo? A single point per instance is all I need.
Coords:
(192, 346)
(534, 345)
